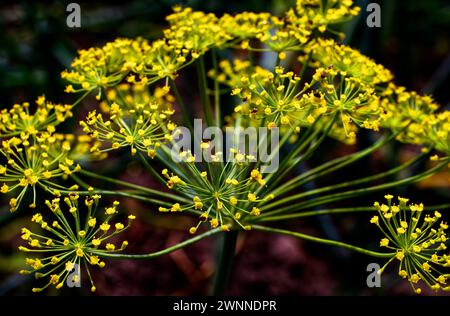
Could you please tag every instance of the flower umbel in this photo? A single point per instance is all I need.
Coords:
(418, 240)
(79, 238)
(35, 161)
(346, 59)
(19, 118)
(138, 125)
(223, 195)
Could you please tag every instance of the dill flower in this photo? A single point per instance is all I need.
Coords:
(285, 34)
(327, 52)
(272, 96)
(278, 34)
(437, 131)
(106, 66)
(408, 109)
(32, 162)
(320, 14)
(139, 126)
(354, 101)
(19, 118)
(195, 31)
(79, 238)
(236, 74)
(80, 147)
(161, 60)
(279, 99)
(418, 240)
(245, 25)
(224, 194)
(128, 96)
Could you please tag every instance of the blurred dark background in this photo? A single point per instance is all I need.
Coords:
(36, 45)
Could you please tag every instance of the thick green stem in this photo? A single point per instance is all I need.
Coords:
(161, 252)
(323, 241)
(225, 257)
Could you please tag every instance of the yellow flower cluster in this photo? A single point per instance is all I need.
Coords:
(19, 119)
(222, 195)
(418, 116)
(437, 129)
(136, 120)
(290, 32)
(279, 99)
(320, 14)
(104, 67)
(272, 96)
(284, 34)
(191, 34)
(354, 101)
(245, 25)
(236, 74)
(194, 31)
(79, 238)
(418, 239)
(326, 52)
(35, 161)
(346, 89)
(160, 60)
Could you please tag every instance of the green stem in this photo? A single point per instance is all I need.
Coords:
(346, 184)
(203, 87)
(331, 166)
(216, 91)
(134, 186)
(315, 213)
(82, 97)
(119, 193)
(285, 162)
(336, 211)
(291, 163)
(323, 241)
(80, 182)
(348, 194)
(225, 257)
(161, 252)
(151, 169)
(305, 66)
(181, 105)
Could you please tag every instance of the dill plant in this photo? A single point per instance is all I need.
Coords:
(317, 89)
